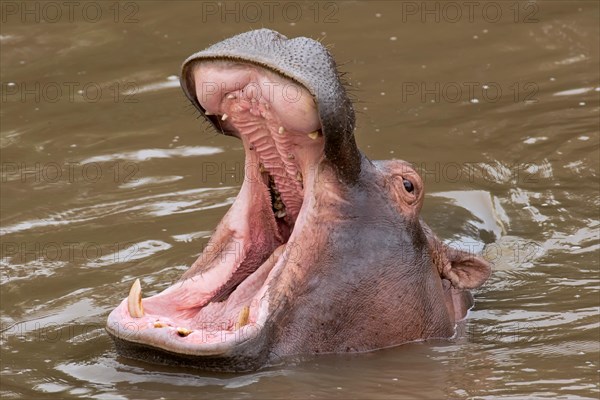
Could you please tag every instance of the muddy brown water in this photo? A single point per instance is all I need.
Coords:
(107, 175)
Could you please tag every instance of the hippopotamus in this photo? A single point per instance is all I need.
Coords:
(322, 251)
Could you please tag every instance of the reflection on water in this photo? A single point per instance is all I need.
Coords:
(107, 175)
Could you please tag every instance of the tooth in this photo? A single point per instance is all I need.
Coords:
(134, 301)
(208, 113)
(231, 96)
(224, 117)
(244, 316)
(159, 324)
(281, 214)
(313, 135)
(281, 130)
(291, 156)
(299, 176)
(183, 332)
(261, 168)
(278, 205)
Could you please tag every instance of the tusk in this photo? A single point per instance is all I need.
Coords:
(224, 117)
(244, 316)
(134, 301)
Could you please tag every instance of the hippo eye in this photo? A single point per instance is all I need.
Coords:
(408, 185)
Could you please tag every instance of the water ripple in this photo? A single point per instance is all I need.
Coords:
(155, 205)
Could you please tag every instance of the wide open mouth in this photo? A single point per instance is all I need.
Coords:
(223, 300)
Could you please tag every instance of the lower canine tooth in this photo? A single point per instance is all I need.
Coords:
(224, 117)
(281, 130)
(244, 316)
(134, 301)
(313, 135)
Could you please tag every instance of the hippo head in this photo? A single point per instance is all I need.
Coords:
(323, 250)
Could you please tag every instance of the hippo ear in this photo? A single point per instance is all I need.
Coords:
(465, 270)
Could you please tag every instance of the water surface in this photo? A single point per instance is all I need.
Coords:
(105, 178)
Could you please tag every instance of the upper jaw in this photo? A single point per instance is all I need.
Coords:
(307, 63)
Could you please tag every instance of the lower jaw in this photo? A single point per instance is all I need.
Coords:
(245, 357)
(199, 335)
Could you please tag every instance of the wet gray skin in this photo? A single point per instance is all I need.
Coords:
(323, 250)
